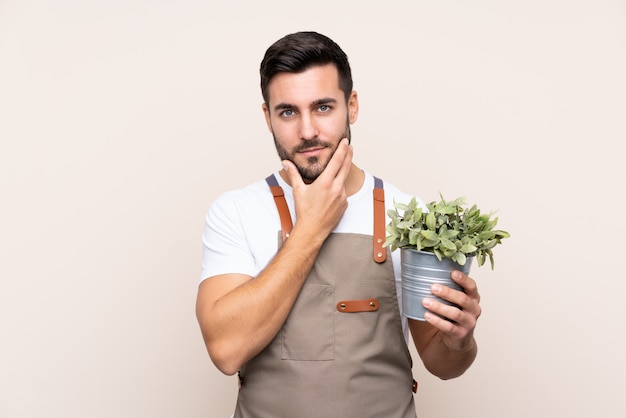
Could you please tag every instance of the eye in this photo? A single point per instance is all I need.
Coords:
(287, 113)
(324, 108)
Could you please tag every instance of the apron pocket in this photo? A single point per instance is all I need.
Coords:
(309, 332)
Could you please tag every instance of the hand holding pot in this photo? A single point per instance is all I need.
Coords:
(458, 332)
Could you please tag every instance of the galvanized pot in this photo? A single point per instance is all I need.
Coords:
(420, 270)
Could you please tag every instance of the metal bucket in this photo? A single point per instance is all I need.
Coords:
(420, 270)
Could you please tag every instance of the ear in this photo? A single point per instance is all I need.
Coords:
(266, 112)
(353, 107)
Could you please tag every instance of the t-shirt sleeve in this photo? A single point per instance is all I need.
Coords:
(225, 247)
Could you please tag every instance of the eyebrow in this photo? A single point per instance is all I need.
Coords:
(318, 102)
(327, 100)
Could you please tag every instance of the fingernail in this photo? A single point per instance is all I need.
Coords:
(435, 288)
(285, 166)
(427, 302)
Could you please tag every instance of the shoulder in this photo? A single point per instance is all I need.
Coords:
(256, 190)
(240, 231)
(248, 198)
(248, 210)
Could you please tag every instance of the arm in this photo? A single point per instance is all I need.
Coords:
(448, 348)
(238, 314)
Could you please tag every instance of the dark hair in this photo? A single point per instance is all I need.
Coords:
(300, 51)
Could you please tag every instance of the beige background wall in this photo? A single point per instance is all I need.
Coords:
(121, 121)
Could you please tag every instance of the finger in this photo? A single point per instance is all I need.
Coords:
(449, 319)
(347, 162)
(339, 164)
(451, 313)
(292, 173)
(440, 322)
(467, 283)
(455, 337)
(466, 303)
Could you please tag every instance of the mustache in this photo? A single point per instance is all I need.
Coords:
(312, 143)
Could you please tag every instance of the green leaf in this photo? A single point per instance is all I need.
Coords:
(390, 239)
(413, 237)
(487, 235)
(489, 245)
(446, 209)
(451, 254)
(438, 254)
(430, 235)
(467, 249)
(431, 221)
(459, 201)
(490, 254)
(401, 206)
(404, 225)
(502, 234)
(447, 244)
(449, 235)
(427, 243)
(460, 258)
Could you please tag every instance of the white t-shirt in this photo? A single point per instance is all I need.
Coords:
(241, 228)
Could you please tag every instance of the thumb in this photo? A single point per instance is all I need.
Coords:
(292, 173)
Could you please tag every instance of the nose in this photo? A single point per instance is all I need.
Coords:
(308, 128)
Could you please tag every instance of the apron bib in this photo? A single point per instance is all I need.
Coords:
(341, 352)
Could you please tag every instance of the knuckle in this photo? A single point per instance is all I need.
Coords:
(470, 285)
(464, 300)
(456, 315)
(449, 327)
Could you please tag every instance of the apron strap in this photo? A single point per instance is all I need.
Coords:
(281, 204)
(380, 253)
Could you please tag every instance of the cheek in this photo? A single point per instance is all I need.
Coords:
(283, 132)
(330, 126)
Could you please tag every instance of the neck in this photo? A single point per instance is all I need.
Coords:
(355, 180)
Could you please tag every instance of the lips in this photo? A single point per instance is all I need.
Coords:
(311, 151)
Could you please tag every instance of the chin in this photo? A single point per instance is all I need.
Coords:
(310, 172)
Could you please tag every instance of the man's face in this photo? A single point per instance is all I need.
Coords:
(308, 115)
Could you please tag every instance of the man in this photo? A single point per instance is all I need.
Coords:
(298, 295)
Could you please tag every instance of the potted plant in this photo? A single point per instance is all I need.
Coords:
(435, 240)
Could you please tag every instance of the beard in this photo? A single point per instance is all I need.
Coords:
(315, 165)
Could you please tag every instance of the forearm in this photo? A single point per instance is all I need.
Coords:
(239, 323)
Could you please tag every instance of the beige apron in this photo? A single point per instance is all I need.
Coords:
(341, 351)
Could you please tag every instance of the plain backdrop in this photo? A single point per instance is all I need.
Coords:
(121, 121)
